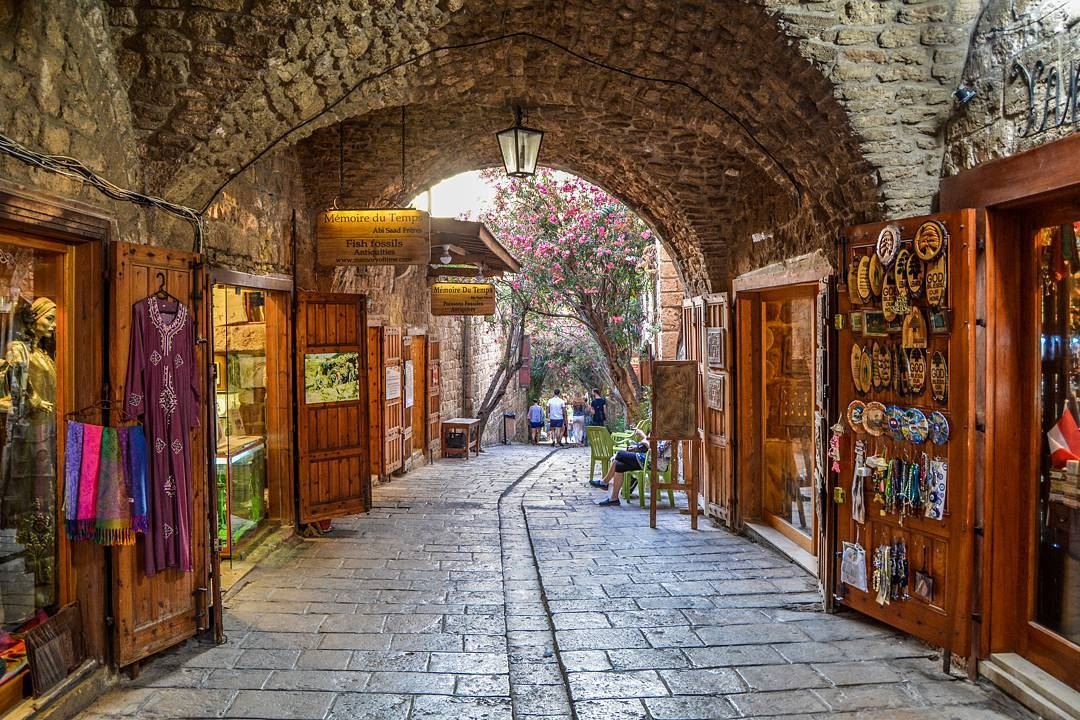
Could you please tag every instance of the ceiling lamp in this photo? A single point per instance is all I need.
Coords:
(520, 148)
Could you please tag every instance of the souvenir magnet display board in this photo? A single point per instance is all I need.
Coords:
(675, 387)
(904, 383)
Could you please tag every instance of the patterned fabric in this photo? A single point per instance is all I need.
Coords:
(88, 481)
(72, 470)
(112, 525)
(133, 444)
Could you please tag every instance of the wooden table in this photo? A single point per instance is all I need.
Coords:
(470, 428)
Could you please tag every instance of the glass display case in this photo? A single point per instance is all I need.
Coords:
(240, 369)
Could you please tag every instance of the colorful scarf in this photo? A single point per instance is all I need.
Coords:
(133, 442)
(72, 469)
(113, 518)
(88, 482)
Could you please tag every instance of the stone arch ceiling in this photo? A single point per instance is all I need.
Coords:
(826, 113)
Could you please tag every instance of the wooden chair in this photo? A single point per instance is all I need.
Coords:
(600, 448)
(663, 476)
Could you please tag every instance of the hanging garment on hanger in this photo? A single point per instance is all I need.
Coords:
(162, 389)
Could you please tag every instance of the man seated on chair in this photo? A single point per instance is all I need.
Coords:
(628, 460)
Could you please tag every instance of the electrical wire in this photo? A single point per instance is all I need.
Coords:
(72, 168)
(796, 186)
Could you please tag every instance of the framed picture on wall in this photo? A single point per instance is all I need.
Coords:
(222, 381)
(674, 399)
(715, 341)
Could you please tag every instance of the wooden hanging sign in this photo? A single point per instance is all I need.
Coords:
(916, 365)
(372, 237)
(914, 335)
(939, 377)
(462, 299)
(937, 274)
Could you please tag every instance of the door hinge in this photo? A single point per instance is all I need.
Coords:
(979, 530)
(976, 617)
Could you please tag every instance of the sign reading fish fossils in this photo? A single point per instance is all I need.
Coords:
(373, 237)
(462, 299)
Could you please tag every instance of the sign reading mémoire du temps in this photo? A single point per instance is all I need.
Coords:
(373, 237)
(462, 299)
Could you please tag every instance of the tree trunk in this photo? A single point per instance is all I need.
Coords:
(509, 365)
(626, 381)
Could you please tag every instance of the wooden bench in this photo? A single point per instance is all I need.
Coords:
(467, 427)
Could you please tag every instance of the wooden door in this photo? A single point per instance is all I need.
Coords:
(407, 401)
(419, 393)
(155, 613)
(715, 368)
(332, 405)
(434, 395)
(826, 413)
(693, 458)
(393, 446)
(942, 548)
(375, 402)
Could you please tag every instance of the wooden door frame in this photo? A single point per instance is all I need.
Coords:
(1047, 179)
(88, 230)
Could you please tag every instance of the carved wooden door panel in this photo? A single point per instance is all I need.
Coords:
(434, 392)
(718, 481)
(419, 380)
(155, 613)
(939, 549)
(406, 406)
(393, 384)
(693, 456)
(332, 406)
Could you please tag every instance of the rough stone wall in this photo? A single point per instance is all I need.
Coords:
(993, 124)
(670, 293)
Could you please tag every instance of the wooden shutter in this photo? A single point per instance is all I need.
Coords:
(155, 613)
(693, 455)
(942, 548)
(718, 486)
(393, 399)
(406, 411)
(419, 409)
(332, 426)
(434, 392)
(375, 401)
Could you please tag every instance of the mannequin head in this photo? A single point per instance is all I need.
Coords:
(42, 317)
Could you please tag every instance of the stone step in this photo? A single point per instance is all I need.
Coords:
(1037, 689)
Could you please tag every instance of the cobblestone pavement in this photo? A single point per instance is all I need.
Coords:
(432, 606)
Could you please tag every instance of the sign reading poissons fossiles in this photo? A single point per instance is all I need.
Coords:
(373, 237)
(462, 299)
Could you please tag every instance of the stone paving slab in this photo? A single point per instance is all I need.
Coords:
(495, 589)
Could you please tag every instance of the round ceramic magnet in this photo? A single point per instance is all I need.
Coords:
(863, 279)
(877, 275)
(939, 377)
(874, 418)
(894, 418)
(915, 427)
(930, 238)
(916, 275)
(900, 272)
(856, 360)
(888, 298)
(914, 333)
(866, 372)
(937, 276)
(916, 369)
(855, 411)
(888, 243)
(939, 428)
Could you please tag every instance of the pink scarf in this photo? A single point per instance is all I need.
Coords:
(88, 482)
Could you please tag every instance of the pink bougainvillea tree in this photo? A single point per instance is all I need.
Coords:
(585, 258)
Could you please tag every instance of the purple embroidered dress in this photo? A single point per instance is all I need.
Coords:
(162, 389)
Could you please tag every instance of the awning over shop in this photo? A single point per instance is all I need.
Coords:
(473, 248)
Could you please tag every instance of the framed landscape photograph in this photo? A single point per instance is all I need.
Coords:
(874, 324)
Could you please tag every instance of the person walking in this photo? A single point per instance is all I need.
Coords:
(536, 422)
(599, 408)
(579, 407)
(557, 417)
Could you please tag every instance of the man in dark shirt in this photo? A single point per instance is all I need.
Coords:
(599, 408)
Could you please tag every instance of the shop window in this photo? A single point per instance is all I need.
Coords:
(1057, 588)
(31, 307)
(240, 364)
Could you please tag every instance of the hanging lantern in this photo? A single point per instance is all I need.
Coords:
(520, 148)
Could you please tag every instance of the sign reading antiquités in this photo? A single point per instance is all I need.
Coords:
(462, 299)
(373, 237)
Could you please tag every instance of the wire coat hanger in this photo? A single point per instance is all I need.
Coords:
(162, 293)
